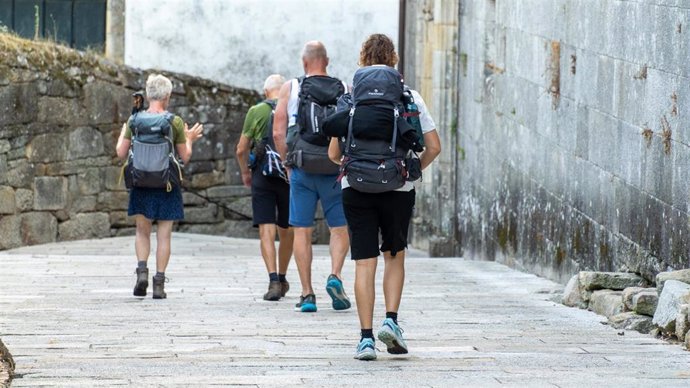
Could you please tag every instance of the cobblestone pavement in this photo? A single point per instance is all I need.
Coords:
(68, 316)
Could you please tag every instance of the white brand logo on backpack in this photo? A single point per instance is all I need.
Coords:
(376, 93)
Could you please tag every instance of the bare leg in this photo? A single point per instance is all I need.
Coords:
(163, 236)
(393, 279)
(365, 276)
(267, 234)
(303, 257)
(285, 248)
(142, 241)
(339, 244)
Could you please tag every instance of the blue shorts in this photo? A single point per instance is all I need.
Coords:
(306, 190)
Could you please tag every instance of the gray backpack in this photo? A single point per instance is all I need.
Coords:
(151, 162)
(373, 165)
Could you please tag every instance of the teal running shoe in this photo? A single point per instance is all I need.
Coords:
(334, 287)
(307, 304)
(391, 335)
(366, 350)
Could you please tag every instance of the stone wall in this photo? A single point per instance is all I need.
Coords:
(572, 139)
(60, 115)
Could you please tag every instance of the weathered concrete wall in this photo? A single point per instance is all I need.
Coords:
(572, 122)
(241, 42)
(60, 114)
(431, 67)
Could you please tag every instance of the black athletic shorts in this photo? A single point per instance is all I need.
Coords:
(368, 214)
(270, 202)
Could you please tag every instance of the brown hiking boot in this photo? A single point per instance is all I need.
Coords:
(142, 282)
(159, 288)
(284, 288)
(274, 291)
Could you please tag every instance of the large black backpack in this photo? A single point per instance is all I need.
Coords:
(266, 159)
(151, 162)
(318, 96)
(372, 163)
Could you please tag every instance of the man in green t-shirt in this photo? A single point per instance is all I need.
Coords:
(270, 195)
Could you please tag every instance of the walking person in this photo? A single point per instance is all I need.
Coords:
(270, 189)
(150, 140)
(303, 104)
(380, 205)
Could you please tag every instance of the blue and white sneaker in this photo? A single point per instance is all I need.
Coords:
(391, 335)
(307, 304)
(366, 350)
(334, 287)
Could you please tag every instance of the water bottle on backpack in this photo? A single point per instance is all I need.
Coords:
(412, 113)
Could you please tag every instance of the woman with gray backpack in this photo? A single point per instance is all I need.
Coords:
(375, 147)
(152, 141)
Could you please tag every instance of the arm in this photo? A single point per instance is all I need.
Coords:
(334, 153)
(242, 152)
(191, 135)
(432, 149)
(123, 144)
(280, 121)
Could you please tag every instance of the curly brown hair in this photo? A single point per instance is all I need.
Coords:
(378, 49)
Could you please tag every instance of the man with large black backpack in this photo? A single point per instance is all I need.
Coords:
(266, 176)
(303, 105)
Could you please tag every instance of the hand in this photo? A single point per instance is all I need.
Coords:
(247, 178)
(195, 133)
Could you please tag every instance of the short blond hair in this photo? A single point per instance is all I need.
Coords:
(158, 87)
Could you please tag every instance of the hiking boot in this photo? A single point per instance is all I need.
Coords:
(284, 288)
(334, 287)
(391, 335)
(274, 291)
(307, 304)
(366, 350)
(142, 282)
(159, 288)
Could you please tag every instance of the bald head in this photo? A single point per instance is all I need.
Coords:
(314, 50)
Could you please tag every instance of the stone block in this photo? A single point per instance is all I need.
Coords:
(50, 193)
(47, 148)
(119, 219)
(4, 146)
(632, 321)
(675, 294)
(10, 230)
(83, 204)
(202, 215)
(75, 166)
(682, 275)
(7, 200)
(610, 280)
(628, 294)
(606, 302)
(105, 103)
(85, 226)
(24, 199)
(234, 228)
(38, 228)
(191, 199)
(89, 181)
(645, 302)
(206, 180)
(219, 192)
(113, 200)
(241, 207)
(17, 104)
(60, 111)
(572, 295)
(20, 173)
(3, 169)
(84, 142)
(112, 179)
(682, 323)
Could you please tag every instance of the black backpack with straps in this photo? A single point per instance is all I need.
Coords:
(265, 156)
(318, 96)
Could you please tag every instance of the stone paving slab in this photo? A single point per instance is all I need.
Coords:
(69, 319)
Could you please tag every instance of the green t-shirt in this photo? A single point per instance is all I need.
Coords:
(177, 126)
(256, 121)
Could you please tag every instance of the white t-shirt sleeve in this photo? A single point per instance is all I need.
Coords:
(425, 118)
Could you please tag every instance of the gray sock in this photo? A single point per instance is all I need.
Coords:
(141, 264)
(160, 275)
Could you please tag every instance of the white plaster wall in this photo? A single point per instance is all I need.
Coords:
(241, 42)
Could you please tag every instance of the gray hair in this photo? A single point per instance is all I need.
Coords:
(158, 87)
(274, 81)
(314, 50)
